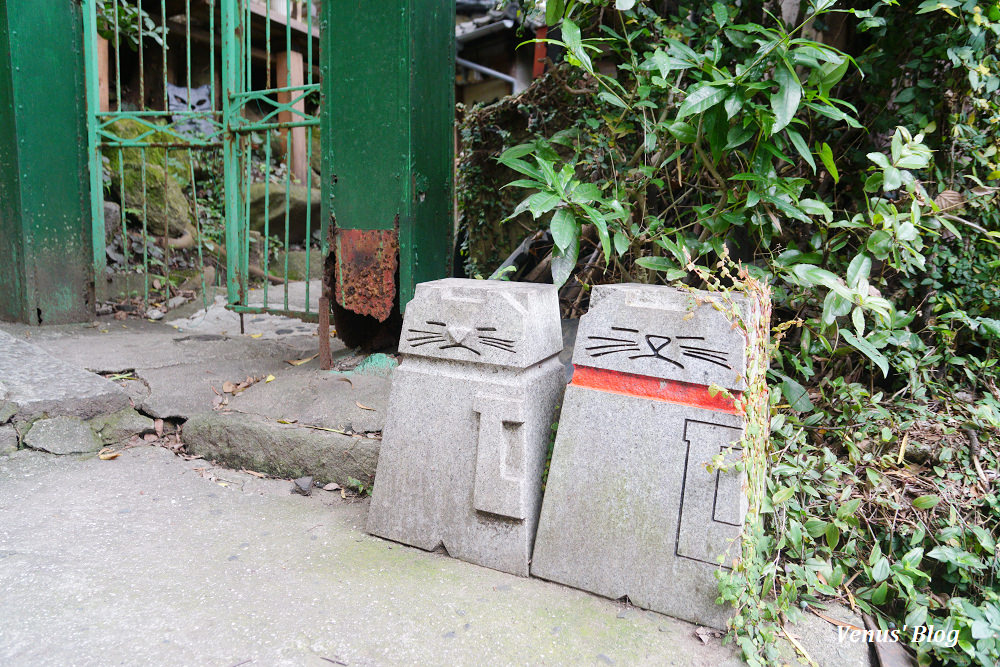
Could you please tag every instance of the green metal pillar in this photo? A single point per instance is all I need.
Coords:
(46, 255)
(388, 147)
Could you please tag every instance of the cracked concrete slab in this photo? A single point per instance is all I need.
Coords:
(37, 384)
(148, 559)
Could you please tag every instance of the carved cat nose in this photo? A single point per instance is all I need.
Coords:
(458, 334)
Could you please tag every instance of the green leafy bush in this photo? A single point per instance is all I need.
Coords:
(855, 173)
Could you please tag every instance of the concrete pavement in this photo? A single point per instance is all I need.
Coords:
(151, 559)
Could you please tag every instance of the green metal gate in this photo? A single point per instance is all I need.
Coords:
(201, 116)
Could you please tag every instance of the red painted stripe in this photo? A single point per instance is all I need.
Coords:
(643, 386)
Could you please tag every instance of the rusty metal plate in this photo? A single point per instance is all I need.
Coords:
(365, 280)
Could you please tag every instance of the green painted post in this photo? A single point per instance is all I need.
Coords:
(388, 146)
(233, 83)
(46, 253)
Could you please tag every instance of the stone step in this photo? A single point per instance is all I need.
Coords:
(34, 384)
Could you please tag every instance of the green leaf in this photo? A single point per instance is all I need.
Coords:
(815, 527)
(683, 132)
(826, 156)
(796, 395)
(782, 494)
(881, 570)
(701, 99)
(830, 76)
(542, 202)
(848, 508)
(563, 263)
(926, 502)
(879, 594)
(721, 13)
(585, 192)
(613, 100)
(621, 243)
(785, 102)
(832, 536)
(554, 11)
(880, 244)
(880, 160)
(893, 179)
(565, 229)
(801, 147)
(518, 151)
(656, 263)
(867, 349)
(858, 270)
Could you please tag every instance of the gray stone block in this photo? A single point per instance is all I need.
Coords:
(119, 427)
(8, 440)
(62, 435)
(469, 419)
(630, 507)
(38, 385)
(283, 450)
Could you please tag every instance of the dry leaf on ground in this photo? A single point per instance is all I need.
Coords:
(299, 362)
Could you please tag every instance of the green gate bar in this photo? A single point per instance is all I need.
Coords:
(46, 259)
(388, 147)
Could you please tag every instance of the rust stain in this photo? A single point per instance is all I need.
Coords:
(366, 275)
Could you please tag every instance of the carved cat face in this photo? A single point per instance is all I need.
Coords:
(458, 336)
(662, 332)
(676, 350)
(482, 321)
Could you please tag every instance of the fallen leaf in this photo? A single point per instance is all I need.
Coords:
(228, 387)
(268, 379)
(121, 315)
(257, 335)
(150, 437)
(156, 283)
(254, 473)
(287, 421)
(364, 407)
(332, 486)
(348, 381)
(107, 454)
(158, 426)
(299, 362)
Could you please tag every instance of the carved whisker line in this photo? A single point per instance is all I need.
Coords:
(689, 337)
(501, 343)
(436, 324)
(504, 343)
(486, 328)
(702, 349)
(436, 333)
(447, 347)
(433, 340)
(416, 338)
(499, 347)
(654, 356)
(620, 340)
(708, 359)
(635, 331)
(627, 349)
(607, 345)
(494, 338)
